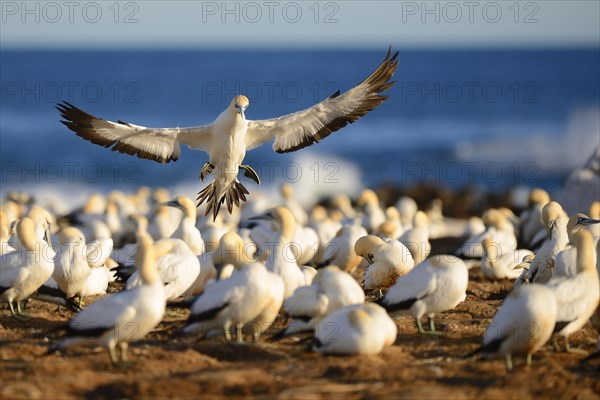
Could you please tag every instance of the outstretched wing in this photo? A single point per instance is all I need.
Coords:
(301, 129)
(158, 144)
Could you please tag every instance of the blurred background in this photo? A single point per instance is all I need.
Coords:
(491, 95)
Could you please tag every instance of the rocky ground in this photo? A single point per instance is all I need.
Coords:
(417, 366)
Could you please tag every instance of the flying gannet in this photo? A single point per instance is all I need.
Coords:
(227, 139)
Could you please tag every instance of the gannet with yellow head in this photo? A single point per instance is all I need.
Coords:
(227, 139)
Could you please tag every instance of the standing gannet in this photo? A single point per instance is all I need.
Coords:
(356, 329)
(330, 290)
(125, 316)
(522, 325)
(187, 230)
(438, 284)
(340, 251)
(244, 298)
(373, 216)
(283, 256)
(578, 296)
(71, 266)
(227, 139)
(387, 258)
(416, 239)
(160, 224)
(498, 265)
(531, 218)
(178, 267)
(566, 260)
(541, 267)
(28, 267)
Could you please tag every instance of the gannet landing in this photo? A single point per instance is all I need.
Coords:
(227, 139)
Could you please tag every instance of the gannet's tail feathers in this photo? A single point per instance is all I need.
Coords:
(235, 193)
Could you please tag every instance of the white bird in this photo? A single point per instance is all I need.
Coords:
(71, 266)
(287, 192)
(497, 228)
(340, 251)
(566, 260)
(522, 325)
(392, 226)
(326, 229)
(541, 267)
(331, 289)
(436, 285)
(239, 300)
(578, 296)
(282, 258)
(531, 218)
(123, 317)
(407, 207)
(356, 329)
(373, 216)
(416, 239)
(177, 268)
(4, 234)
(498, 265)
(227, 139)
(160, 225)
(187, 230)
(388, 259)
(33, 266)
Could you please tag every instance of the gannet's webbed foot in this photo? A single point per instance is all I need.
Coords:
(207, 169)
(249, 172)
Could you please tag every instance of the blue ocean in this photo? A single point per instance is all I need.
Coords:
(494, 119)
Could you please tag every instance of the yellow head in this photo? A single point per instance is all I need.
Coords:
(239, 104)
(366, 246)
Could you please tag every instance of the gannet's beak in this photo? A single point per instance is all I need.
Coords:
(172, 203)
(48, 234)
(587, 221)
(240, 111)
(552, 225)
(263, 217)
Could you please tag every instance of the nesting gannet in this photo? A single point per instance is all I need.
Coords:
(178, 267)
(541, 267)
(28, 267)
(331, 289)
(497, 265)
(373, 216)
(497, 228)
(356, 329)
(392, 226)
(123, 317)
(531, 218)
(578, 296)
(340, 251)
(283, 258)
(566, 260)
(245, 297)
(160, 224)
(227, 139)
(522, 325)
(438, 284)
(387, 258)
(416, 239)
(187, 230)
(343, 205)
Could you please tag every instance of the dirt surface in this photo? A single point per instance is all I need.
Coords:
(417, 366)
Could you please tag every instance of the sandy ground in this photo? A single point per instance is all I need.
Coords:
(417, 366)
